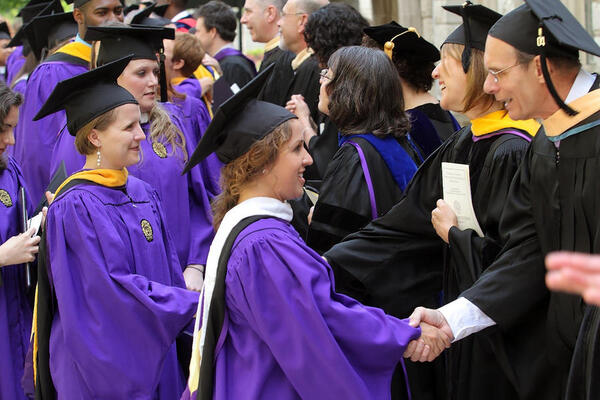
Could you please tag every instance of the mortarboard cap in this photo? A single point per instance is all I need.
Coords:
(400, 40)
(48, 8)
(548, 29)
(46, 31)
(240, 122)
(143, 42)
(32, 3)
(29, 12)
(161, 10)
(4, 31)
(472, 33)
(142, 17)
(88, 95)
(130, 8)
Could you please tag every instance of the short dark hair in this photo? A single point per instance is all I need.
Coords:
(411, 68)
(220, 16)
(8, 99)
(365, 94)
(331, 27)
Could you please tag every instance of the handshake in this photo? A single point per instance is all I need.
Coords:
(436, 335)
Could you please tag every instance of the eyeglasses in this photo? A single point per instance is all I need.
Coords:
(496, 74)
(286, 14)
(323, 74)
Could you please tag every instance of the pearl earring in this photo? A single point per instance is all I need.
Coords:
(98, 159)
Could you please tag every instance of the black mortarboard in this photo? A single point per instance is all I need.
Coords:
(161, 10)
(4, 31)
(141, 41)
(240, 122)
(400, 40)
(46, 31)
(130, 8)
(472, 33)
(48, 8)
(29, 12)
(546, 28)
(88, 95)
(32, 3)
(142, 17)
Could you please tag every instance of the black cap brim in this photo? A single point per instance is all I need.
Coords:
(240, 121)
(410, 42)
(45, 30)
(88, 95)
(564, 35)
(117, 42)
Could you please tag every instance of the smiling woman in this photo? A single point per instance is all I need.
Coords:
(269, 300)
(16, 248)
(106, 242)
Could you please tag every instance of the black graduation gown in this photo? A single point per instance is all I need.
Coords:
(275, 89)
(344, 205)
(306, 82)
(431, 125)
(322, 148)
(552, 205)
(397, 262)
(237, 69)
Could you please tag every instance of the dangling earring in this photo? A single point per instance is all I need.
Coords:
(98, 159)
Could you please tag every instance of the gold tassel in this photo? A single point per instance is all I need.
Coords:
(388, 47)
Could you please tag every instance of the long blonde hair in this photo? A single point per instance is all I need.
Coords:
(239, 172)
(162, 128)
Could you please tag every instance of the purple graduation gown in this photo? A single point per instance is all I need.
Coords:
(15, 312)
(35, 139)
(192, 116)
(14, 63)
(120, 294)
(184, 198)
(289, 335)
(190, 87)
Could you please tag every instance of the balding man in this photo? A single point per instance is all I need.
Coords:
(261, 18)
(301, 74)
(36, 139)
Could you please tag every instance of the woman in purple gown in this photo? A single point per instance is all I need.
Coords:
(272, 325)
(170, 131)
(111, 297)
(16, 248)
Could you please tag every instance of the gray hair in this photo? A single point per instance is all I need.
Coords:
(310, 6)
(278, 4)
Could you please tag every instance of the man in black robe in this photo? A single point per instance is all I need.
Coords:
(261, 18)
(299, 75)
(551, 338)
(215, 27)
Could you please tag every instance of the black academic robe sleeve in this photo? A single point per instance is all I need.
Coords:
(396, 261)
(468, 253)
(343, 206)
(236, 69)
(513, 285)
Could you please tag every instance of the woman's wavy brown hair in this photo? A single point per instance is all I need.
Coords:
(241, 171)
(365, 94)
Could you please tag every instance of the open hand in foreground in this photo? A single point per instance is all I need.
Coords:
(575, 273)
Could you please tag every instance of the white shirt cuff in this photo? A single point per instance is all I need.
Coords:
(465, 318)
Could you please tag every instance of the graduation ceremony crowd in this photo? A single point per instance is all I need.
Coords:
(179, 221)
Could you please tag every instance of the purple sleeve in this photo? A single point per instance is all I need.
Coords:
(317, 336)
(118, 325)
